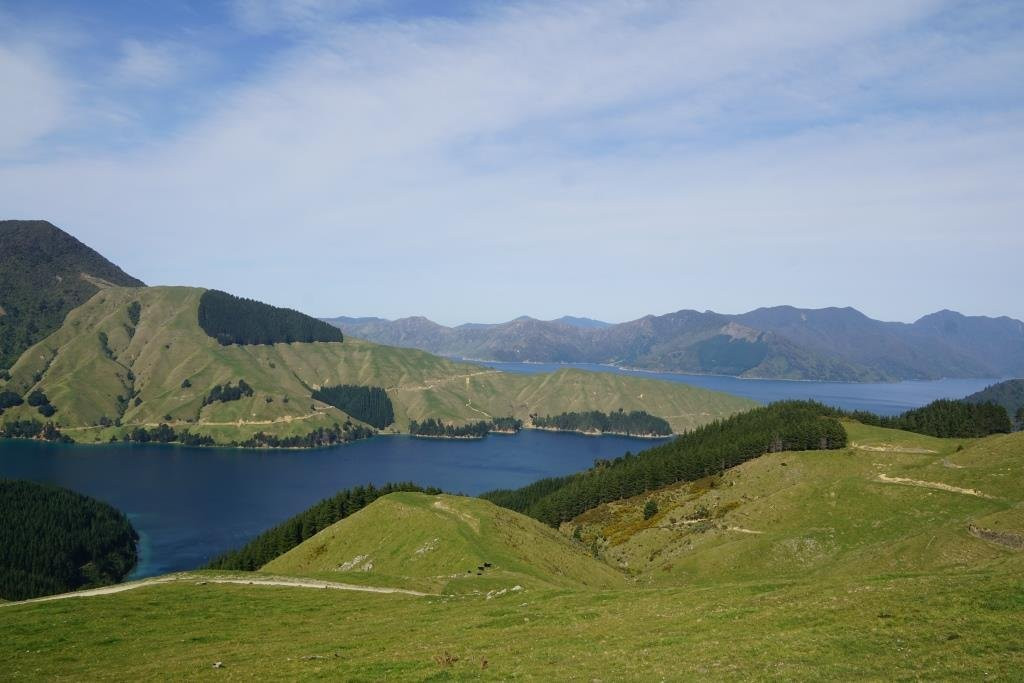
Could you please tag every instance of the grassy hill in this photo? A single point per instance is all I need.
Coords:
(437, 543)
(44, 273)
(896, 558)
(155, 365)
(891, 503)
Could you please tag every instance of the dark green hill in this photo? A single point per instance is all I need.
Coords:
(44, 273)
(1008, 394)
(53, 540)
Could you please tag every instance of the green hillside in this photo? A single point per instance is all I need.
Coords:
(137, 357)
(891, 503)
(438, 543)
(899, 557)
(44, 273)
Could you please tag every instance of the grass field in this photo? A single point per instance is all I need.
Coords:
(98, 356)
(852, 575)
(437, 543)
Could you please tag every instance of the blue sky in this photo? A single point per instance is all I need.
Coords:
(478, 161)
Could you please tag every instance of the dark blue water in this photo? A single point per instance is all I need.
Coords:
(190, 504)
(882, 398)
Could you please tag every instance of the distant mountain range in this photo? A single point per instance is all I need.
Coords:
(783, 342)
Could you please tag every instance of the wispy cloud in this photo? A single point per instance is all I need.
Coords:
(608, 158)
(37, 97)
(156, 64)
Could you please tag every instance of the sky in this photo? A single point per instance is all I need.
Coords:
(477, 161)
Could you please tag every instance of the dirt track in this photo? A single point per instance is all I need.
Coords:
(200, 580)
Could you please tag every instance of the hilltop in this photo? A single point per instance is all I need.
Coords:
(897, 556)
(44, 273)
(442, 543)
(133, 358)
(837, 344)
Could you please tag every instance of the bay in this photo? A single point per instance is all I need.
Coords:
(191, 504)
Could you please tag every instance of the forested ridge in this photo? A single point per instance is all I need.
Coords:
(235, 320)
(636, 422)
(710, 449)
(53, 540)
(290, 533)
(1008, 394)
(943, 418)
(368, 404)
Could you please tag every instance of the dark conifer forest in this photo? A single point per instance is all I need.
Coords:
(53, 540)
(943, 418)
(436, 428)
(234, 320)
(368, 404)
(288, 534)
(636, 422)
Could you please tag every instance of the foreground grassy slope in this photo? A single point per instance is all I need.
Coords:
(437, 543)
(892, 502)
(101, 364)
(942, 625)
(852, 576)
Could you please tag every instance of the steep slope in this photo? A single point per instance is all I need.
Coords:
(44, 273)
(441, 543)
(838, 344)
(107, 364)
(892, 502)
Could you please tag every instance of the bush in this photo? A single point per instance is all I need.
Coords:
(37, 398)
(650, 509)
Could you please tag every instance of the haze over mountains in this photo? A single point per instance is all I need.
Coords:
(782, 342)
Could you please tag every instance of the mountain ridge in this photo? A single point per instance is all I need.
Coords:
(779, 342)
(45, 273)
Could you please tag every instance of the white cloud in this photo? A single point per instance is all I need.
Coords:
(624, 153)
(36, 99)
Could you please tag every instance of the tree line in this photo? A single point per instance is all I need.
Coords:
(943, 418)
(290, 533)
(234, 320)
(368, 404)
(317, 438)
(709, 449)
(164, 433)
(636, 422)
(436, 428)
(32, 429)
(53, 540)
